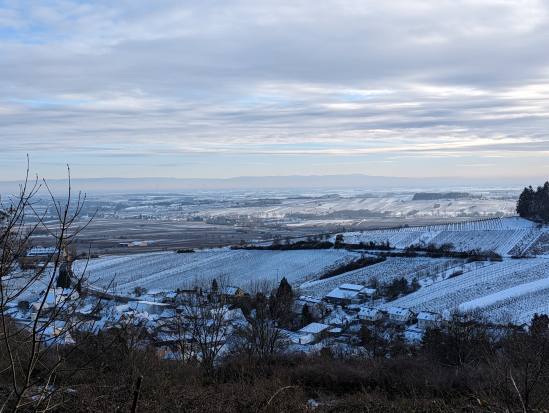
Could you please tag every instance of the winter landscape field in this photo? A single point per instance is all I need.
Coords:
(514, 288)
(169, 271)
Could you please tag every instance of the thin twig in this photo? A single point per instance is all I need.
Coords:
(518, 392)
(274, 395)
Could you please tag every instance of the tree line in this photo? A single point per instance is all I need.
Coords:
(533, 204)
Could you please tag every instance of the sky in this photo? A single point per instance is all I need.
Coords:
(218, 89)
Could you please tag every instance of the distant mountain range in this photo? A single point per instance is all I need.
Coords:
(125, 185)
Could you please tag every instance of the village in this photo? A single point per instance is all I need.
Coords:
(205, 324)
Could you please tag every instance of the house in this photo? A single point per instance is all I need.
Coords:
(426, 320)
(345, 294)
(150, 307)
(51, 335)
(54, 297)
(300, 303)
(168, 313)
(224, 314)
(370, 314)
(231, 293)
(399, 315)
(317, 308)
(170, 297)
(338, 318)
(296, 338)
(317, 330)
(369, 292)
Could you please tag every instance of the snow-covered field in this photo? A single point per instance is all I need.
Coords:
(384, 272)
(169, 271)
(488, 288)
(516, 287)
(506, 236)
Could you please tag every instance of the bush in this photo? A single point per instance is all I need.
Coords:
(353, 265)
(455, 274)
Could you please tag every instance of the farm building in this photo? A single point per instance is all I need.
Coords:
(42, 252)
(346, 294)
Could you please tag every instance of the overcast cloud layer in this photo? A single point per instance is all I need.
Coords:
(228, 88)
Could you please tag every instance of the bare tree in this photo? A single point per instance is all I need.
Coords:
(380, 339)
(260, 337)
(464, 341)
(39, 354)
(206, 323)
(522, 366)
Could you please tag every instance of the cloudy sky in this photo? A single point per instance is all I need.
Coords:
(230, 88)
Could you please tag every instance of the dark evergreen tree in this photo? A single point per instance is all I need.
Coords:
(64, 278)
(306, 317)
(284, 290)
(339, 241)
(540, 325)
(525, 202)
(534, 204)
(281, 303)
(214, 285)
(273, 306)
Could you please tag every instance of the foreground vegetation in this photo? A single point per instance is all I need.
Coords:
(468, 367)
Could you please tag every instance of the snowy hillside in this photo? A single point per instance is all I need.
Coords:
(513, 289)
(506, 236)
(169, 271)
(383, 272)
(488, 288)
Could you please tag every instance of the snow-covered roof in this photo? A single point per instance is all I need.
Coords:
(50, 299)
(313, 328)
(42, 251)
(297, 338)
(352, 287)
(338, 317)
(427, 316)
(168, 313)
(369, 291)
(171, 295)
(309, 299)
(230, 290)
(368, 312)
(138, 306)
(339, 293)
(398, 311)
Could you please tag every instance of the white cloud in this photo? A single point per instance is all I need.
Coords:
(284, 78)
